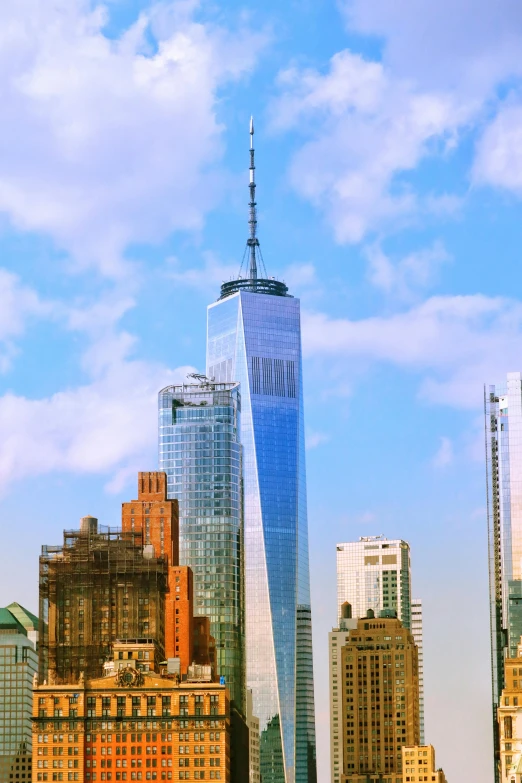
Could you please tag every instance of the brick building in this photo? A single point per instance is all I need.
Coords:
(157, 519)
(133, 724)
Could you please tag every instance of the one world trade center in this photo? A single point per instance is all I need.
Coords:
(254, 337)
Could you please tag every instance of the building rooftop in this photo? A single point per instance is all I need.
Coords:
(24, 616)
(8, 622)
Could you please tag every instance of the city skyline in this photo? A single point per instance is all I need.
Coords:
(390, 171)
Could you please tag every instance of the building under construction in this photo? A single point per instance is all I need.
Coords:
(102, 584)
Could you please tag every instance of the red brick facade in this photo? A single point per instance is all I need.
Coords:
(158, 518)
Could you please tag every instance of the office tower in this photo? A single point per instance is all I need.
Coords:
(99, 586)
(509, 717)
(253, 728)
(156, 518)
(336, 641)
(419, 764)
(140, 722)
(18, 665)
(254, 337)
(380, 699)
(200, 450)
(375, 573)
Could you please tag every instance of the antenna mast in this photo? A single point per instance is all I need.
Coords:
(253, 241)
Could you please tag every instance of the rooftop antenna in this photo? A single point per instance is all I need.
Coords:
(253, 241)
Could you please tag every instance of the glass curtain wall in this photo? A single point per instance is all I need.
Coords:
(200, 451)
(255, 338)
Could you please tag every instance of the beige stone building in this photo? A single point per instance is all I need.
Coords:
(380, 700)
(418, 765)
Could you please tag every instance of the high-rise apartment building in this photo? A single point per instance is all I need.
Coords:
(503, 425)
(200, 451)
(336, 641)
(375, 573)
(380, 700)
(254, 337)
(18, 665)
(102, 584)
(419, 765)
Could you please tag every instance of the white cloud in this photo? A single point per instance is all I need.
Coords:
(453, 343)
(366, 126)
(402, 278)
(106, 427)
(105, 141)
(468, 45)
(20, 304)
(314, 439)
(499, 151)
(444, 455)
(206, 278)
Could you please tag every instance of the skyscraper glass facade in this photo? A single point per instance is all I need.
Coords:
(503, 426)
(18, 665)
(254, 337)
(200, 451)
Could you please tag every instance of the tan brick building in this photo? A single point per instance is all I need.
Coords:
(134, 724)
(380, 700)
(419, 766)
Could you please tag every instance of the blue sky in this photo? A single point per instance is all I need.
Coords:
(388, 138)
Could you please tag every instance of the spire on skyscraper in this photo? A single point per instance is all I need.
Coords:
(256, 279)
(253, 241)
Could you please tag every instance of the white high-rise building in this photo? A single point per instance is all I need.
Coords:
(374, 573)
(416, 629)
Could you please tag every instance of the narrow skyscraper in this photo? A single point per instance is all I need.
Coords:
(254, 337)
(200, 452)
(503, 426)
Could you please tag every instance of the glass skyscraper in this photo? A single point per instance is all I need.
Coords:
(254, 337)
(200, 451)
(503, 425)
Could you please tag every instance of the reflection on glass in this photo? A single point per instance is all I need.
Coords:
(200, 451)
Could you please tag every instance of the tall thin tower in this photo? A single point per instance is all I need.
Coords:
(254, 337)
(503, 430)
